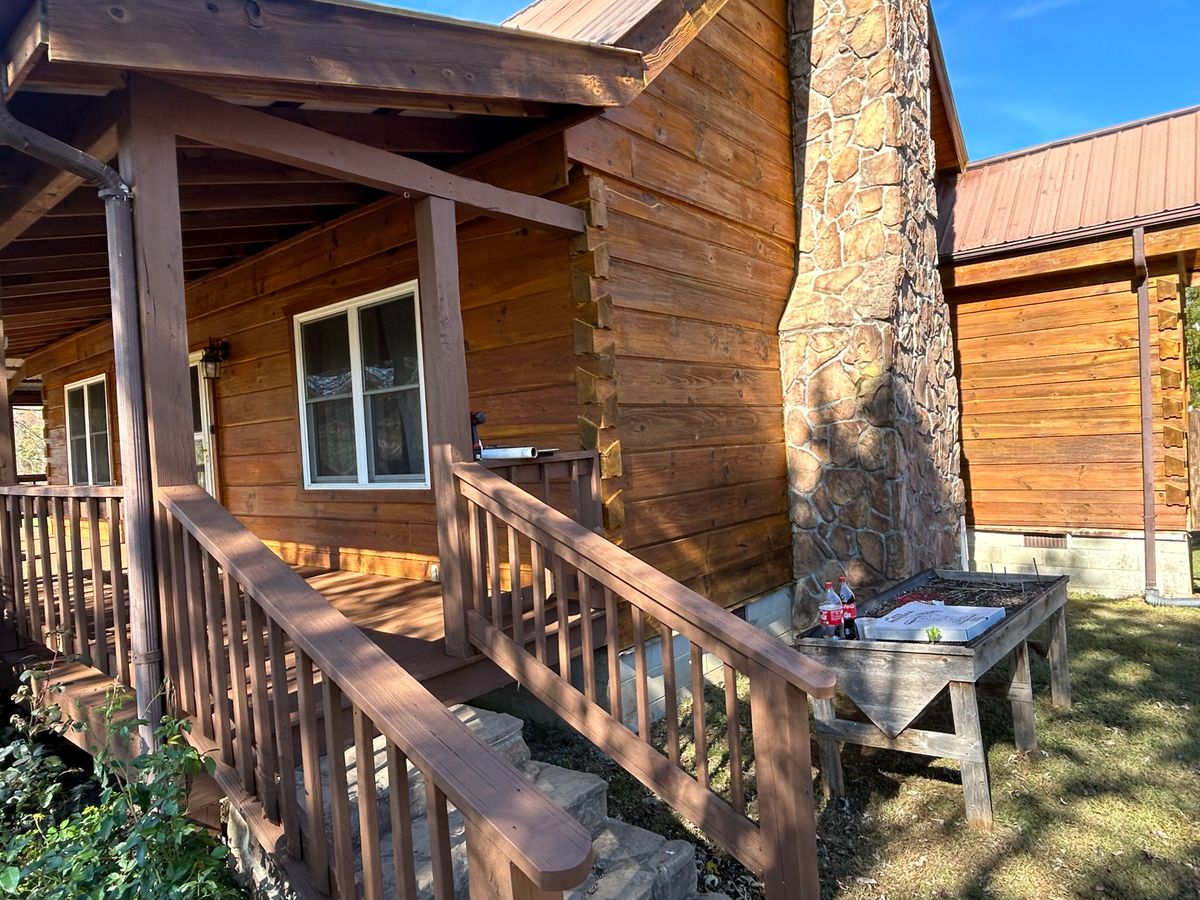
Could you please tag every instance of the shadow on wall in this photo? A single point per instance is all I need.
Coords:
(871, 400)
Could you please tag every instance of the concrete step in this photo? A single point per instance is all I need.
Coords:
(630, 862)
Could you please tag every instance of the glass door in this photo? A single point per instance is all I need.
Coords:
(202, 428)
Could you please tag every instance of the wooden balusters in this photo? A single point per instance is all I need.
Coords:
(120, 598)
(33, 602)
(539, 601)
(516, 597)
(699, 714)
(289, 807)
(239, 668)
(192, 612)
(613, 652)
(368, 809)
(641, 687)
(400, 814)
(438, 818)
(316, 848)
(670, 692)
(733, 734)
(12, 508)
(339, 802)
(75, 565)
(54, 617)
(99, 604)
(587, 638)
(562, 603)
(218, 659)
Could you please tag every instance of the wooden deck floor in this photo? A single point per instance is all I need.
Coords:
(402, 616)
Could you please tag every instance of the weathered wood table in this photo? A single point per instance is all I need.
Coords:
(893, 682)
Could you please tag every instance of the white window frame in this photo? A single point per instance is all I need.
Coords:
(350, 308)
(87, 427)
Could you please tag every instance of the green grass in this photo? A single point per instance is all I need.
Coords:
(1109, 806)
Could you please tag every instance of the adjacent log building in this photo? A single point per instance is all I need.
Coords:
(1065, 265)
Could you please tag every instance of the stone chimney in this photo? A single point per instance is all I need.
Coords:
(870, 396)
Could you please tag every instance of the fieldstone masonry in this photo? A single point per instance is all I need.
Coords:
(870, 396)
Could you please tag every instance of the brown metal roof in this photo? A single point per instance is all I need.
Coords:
(1145, 172)
(596, 21)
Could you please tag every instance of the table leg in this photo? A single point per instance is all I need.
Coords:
(1060, 677)
(829, 750)
(1020, 693)
(976, 790)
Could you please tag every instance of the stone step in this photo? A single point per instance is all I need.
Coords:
(631, 863)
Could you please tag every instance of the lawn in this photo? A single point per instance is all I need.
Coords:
(1109, 806)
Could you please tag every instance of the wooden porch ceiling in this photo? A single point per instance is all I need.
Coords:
(53, 247)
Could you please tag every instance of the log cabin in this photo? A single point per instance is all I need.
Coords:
(264, 259)
(1065, 267)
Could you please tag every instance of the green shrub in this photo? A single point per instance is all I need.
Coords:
(122, 834)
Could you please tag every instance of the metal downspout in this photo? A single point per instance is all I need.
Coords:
(131, 402)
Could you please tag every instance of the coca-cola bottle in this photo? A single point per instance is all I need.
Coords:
(831, 613)
(849, 610)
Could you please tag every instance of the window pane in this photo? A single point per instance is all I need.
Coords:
(97, 408)
(396, 438)
(197, 419)
(326, 357)
(76, 424)
(389, 344)
(100, 472)
(331, 440)
(79, 466)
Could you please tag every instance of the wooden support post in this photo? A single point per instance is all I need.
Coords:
(492, 874)
(829, 750)
(152, 391)
(448, 405)
(1020, 697)
(786, 817)
(8, 441)
(1060, 676)
(976, 790)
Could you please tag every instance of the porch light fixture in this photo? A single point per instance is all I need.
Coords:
(214, 354)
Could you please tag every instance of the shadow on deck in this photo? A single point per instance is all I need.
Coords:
(402, 616)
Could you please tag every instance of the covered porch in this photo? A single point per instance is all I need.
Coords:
(367, 161)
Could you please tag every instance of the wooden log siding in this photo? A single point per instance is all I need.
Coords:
(698, 253)
(517, 320)
(1050, 417)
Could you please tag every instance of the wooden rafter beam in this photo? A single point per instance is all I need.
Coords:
(396, 133)
(96, 136)
(340, 46)
(213, 198)
(667, 29)
(26, 47)
(258, 134)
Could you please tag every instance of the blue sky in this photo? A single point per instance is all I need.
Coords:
(1029, 71)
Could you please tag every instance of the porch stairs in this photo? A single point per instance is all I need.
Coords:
(630, 863)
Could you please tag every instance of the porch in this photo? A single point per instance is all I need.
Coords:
(281, 667)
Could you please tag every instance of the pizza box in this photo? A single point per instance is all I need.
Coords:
(911, 621)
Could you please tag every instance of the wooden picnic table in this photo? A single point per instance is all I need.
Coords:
(893, 682)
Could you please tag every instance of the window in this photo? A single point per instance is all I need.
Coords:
(362, 400)
(89, 457)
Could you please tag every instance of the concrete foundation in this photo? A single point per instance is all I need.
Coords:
(1109, 564)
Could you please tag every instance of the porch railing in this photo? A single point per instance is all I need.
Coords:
(243, 634)
(569, 593)
(61, 562)
(569, 482)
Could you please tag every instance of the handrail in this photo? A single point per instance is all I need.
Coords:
(72, 491)
(578, 595)
(665, 599)
(509, 818)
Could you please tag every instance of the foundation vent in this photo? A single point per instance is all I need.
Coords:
(1046, 541)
